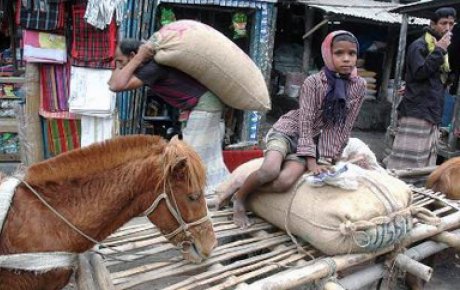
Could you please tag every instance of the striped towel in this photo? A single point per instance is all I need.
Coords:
(60, 136)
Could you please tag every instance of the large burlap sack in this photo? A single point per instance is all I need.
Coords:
(214, 60)
(337, 221)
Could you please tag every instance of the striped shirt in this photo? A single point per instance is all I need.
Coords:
(306, 123)
(173, 86)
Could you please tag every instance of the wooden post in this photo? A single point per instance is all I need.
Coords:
(309, 18)
(101, 274)
(84, 276)
(399, 69)
(388, 62)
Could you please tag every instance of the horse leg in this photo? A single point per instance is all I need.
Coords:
(53, 280)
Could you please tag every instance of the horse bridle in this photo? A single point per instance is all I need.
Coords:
(175, 212)
(173, 209)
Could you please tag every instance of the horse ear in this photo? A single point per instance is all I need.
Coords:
(180, 168)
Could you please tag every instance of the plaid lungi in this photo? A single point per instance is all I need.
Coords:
(414, 145)
(90, 43)
(49, 18)
(203, 133)
(61, 136)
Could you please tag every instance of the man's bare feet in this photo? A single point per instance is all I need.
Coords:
(240, 217)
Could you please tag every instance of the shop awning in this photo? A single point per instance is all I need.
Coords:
(361, 10)
(425, 8)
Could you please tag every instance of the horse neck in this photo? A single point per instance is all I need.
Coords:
(101, 204)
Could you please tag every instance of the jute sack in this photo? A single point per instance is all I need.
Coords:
(336, 221)
(214, 60)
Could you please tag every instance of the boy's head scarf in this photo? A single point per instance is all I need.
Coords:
(334, 105)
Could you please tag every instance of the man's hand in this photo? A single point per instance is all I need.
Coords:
(444, 42)
(145, 52)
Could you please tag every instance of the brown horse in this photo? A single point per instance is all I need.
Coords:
(446, 178)
(98, 189)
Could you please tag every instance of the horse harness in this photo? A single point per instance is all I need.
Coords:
(47, 261)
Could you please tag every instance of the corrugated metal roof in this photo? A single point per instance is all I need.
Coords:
(364, 9)
(423, 8)
(229, 3)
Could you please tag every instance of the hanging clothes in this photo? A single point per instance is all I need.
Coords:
(99, 13)
(89, 43)
(40, 15)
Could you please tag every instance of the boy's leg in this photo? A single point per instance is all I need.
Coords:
(292, 170)
(269, 171)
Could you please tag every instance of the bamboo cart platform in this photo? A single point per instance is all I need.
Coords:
(259, 257)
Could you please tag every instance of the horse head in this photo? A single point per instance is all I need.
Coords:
(183, 215)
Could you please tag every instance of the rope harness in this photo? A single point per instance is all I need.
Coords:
(47, 261)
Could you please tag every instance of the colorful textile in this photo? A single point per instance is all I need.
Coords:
(40, 15)
(204, 134)
(61, 136)
(89, 43)
(44, 47)
(415, 144)
(54, 92)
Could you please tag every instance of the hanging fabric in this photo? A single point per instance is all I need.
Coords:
(99, 13)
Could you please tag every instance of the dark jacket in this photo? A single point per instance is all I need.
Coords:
(424, 96)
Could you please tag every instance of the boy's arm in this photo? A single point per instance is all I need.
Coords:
(307, 110)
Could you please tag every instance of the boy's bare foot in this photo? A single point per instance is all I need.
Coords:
(223, 199)
(239, 214)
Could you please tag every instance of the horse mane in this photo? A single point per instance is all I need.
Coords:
(180, 158)
(95, 158)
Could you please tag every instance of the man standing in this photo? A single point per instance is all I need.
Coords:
(420, 111)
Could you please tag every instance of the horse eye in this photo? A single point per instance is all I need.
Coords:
(194, 197)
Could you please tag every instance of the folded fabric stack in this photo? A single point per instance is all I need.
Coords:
(44, 47)
(89, 92)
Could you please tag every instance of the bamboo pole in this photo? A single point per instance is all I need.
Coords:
(101, 274)
(317, 26)
(415, 268)
(366, 276)
(320, 269)
(449, 239)
(84, 277)
(332, 286)
(413, 171)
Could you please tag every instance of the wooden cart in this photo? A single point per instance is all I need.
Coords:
(259, 257)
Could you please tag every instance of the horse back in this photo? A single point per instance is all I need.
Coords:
(446, 178)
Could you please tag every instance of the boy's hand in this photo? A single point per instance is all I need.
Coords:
(314, 168)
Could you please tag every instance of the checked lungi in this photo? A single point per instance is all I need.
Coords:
(414, 145)
(204, 134)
